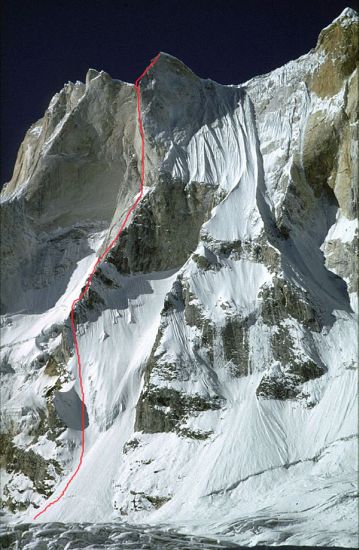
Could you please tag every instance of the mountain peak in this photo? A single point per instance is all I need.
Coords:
(168, 64)
(347, 16)
(348, 12)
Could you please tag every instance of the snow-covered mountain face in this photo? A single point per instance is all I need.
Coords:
(218, 337)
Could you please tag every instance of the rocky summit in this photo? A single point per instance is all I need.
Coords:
(218, 338)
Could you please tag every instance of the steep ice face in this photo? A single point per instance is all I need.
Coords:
(218, 338)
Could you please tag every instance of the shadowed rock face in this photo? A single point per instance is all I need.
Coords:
(165, 228)
(72, 168)
(69, 408)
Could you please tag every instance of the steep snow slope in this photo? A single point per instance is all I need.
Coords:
(218, 338)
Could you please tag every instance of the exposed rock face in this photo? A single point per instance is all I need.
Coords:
(341, 257)
(165, 228)
(162, 409)
(218, 337)
(339, 44)
(19, 463)
(281, 300)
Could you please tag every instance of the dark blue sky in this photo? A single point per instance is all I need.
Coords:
(45, 43)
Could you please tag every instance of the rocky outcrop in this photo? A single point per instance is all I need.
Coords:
(162, 409)
(165, 227)
(285, 383)
(338, 43)
(41, 473)
(281, 300)
(291, 368)
(235, 341)
(342, 259)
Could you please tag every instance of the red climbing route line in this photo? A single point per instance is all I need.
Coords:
(88, 283)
